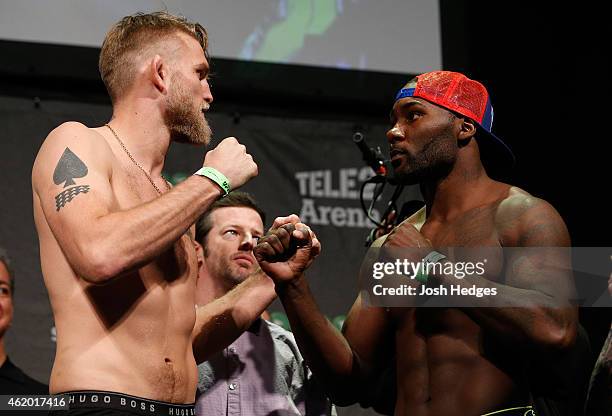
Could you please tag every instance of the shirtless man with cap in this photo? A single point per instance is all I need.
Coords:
(116, 242)
(448, 361)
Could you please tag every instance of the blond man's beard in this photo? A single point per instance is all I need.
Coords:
(186, 124)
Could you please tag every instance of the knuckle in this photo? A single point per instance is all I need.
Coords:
(288, 228)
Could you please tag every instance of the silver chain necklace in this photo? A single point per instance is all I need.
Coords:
(136, 163)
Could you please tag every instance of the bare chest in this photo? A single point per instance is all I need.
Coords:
(132, 189)
(476, 227)
(472, 238)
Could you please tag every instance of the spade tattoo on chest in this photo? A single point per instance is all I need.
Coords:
(69, 168)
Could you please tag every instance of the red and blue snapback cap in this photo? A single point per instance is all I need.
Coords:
(469, 98)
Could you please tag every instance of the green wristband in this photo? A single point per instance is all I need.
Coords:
(432, 257)
(217, 177)
(421, 276)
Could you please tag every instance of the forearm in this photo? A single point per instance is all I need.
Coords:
(122, 241)
(538, 327)
(221, 321)
(527, 316)
(325, 349)
(599, 400)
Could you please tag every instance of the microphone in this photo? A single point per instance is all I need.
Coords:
(373, 158)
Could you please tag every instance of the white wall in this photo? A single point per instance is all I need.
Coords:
(381, 35)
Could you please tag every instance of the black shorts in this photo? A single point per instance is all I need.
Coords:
(514, 411)
(104, 403)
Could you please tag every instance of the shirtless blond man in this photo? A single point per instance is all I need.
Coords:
(116, 242)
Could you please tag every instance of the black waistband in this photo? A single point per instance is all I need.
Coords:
(125, 402)
(514, 411)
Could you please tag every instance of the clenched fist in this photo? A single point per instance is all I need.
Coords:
(406, 235)
(231, 159)
(287, 250)
(405, 242)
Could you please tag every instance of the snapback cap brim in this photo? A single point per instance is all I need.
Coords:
(494, 153)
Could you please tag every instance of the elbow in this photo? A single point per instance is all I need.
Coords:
(565, 338)
(99, 266)
(558, 336)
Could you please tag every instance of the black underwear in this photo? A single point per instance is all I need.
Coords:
(92, 402)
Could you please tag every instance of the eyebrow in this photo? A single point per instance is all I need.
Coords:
(241, 228)
(404, 106)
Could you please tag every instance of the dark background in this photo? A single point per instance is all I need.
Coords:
(543, 64)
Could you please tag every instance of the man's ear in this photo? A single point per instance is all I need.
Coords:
(467, 129)
(158, 74)
(199, 253)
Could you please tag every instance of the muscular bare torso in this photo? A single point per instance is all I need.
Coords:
(133, 334)
(446, 363)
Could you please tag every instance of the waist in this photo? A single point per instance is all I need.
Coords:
(89, 399)
(139, 369)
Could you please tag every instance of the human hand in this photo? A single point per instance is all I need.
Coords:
(406, 235)
(232, 160)
(287, 250)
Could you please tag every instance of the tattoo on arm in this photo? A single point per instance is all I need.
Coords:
(67, 170)
(68, 195)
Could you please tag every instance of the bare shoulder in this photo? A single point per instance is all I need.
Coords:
(76, 146)
(517, 203)
(526, 220)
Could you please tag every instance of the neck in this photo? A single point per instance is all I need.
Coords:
(465, 187)
(139, 125)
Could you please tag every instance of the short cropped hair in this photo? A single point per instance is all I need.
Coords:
(233, 199)
(6, 260)
(134, 33)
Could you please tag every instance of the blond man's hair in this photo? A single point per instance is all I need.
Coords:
(133, 34)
